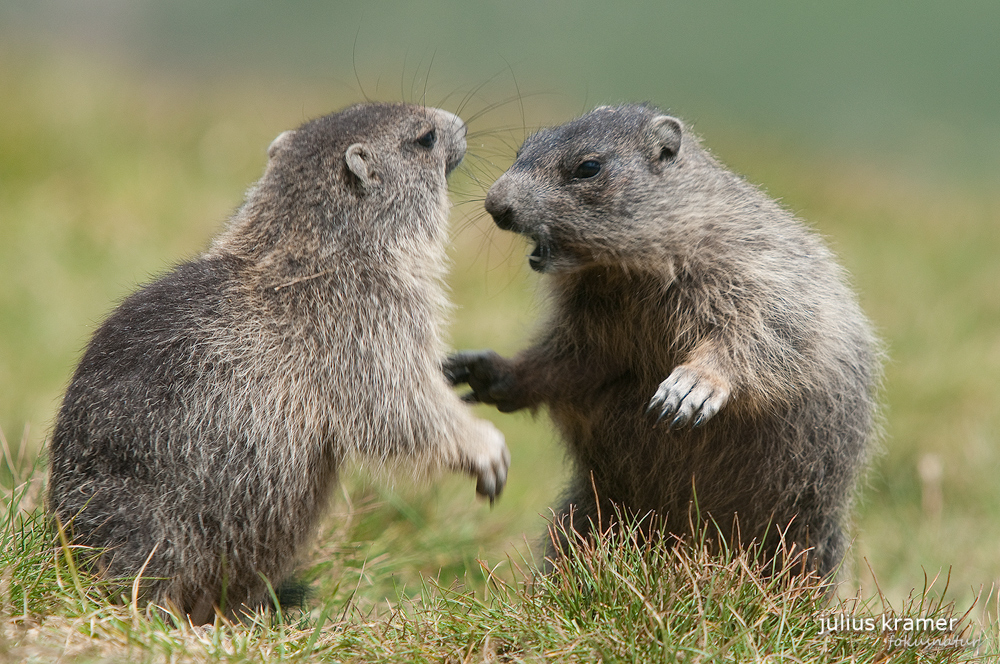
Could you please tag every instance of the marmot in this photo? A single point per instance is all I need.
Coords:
(703, 347)
(205, 425)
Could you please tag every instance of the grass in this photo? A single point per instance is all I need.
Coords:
(611, 599)
(107, 179)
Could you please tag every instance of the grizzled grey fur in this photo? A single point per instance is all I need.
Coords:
(206, 423)
(703, 344)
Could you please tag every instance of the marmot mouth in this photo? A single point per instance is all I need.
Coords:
(540, 258)
(452, 163)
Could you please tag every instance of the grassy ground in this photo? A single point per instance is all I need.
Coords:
(611, 600)
(106, 179)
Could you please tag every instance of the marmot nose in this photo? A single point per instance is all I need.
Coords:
(501, 211)
(504, 218)
(499, 203)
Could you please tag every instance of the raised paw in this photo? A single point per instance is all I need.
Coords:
(487, 373)
(488, 459)
(689, 395)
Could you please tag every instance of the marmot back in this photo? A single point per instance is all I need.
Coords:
(205, 425)
(702, 345)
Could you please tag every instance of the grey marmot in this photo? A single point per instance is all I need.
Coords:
(703, 347)
(205, 425)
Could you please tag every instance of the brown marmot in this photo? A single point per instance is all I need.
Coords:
(703, 347)
(205, 425)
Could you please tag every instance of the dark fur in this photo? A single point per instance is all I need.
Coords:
(206, 423)
(681, 292)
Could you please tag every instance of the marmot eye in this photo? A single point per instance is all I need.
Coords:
(428, 140)
(587, 169)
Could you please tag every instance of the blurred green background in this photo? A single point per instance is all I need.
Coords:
(130, 129)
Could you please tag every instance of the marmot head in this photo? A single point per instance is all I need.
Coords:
(371, 172)
(596, 190)
(373, 145)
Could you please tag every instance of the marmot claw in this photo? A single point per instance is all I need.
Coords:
(490, 465)
(688, 396)
(485, 372)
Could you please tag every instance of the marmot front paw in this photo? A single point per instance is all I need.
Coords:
(488, 460)
(689, 395)
(487, 373)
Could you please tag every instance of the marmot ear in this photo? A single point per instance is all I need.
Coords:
(667, 131)
(359, 161)
(279, 143)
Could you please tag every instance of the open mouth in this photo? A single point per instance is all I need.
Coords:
(540, 258)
